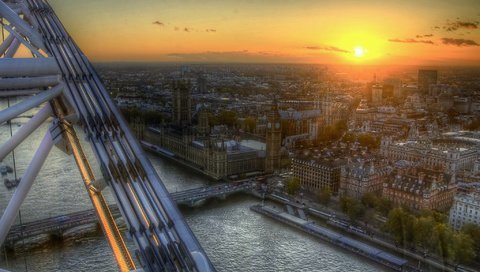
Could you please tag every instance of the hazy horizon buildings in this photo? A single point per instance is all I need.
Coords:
(426, 78)
(360, 113)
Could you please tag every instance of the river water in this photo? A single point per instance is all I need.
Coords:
(235, 238)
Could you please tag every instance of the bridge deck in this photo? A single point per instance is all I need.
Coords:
(63, 222)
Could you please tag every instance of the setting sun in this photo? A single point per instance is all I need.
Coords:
(358, 52)
(362, 114)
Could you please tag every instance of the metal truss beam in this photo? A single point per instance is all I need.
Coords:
(24, 186)
(25, 131)
(6, 44)
(164, 240)
(19, 93)
(22, 26)
(28, 82)
(29, 103)
(22, 40)
(25, 67)
(12, 49)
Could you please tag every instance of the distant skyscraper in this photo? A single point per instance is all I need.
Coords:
(425, 79)
(395, 85)
(377, 94)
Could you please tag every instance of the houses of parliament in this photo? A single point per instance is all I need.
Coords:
(190, 140)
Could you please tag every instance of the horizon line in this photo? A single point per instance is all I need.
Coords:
(276, 63)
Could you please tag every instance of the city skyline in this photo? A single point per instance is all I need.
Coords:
(239, 136)
(326, 32)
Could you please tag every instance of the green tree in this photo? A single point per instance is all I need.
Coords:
(435, 215)
(352, 208)
(356, 210)
(401, 225)
(369, 141)
(423, 232)
(324, 196)
(442, 237)
(384, 206)
(293, 185)
(463, 250)
(452, 114)
(326, 134)
(213, 119)
(333, 132)
(370, 200)
(341, 125)
(369, 217)
(474, 125)
(250, 124)
(344, 203)
(348, 138)
(473, 231)
(228, 118)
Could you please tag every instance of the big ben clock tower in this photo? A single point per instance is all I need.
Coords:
(274, 139)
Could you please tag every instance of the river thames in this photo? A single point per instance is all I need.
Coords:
(235, 238)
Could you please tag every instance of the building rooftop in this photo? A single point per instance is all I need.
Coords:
(336, 153)
(420, 181)
(366, 170)
(291, 114)
(444, 146)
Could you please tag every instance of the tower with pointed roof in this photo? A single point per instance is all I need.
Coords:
(274, 139)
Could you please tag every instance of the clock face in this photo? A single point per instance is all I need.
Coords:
(269, 125)
(277, 125)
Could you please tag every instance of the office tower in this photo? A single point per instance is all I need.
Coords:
(425, 79)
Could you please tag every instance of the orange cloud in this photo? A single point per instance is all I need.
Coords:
(459, 42)
(452, 26)
(327, 48)
(411, 41)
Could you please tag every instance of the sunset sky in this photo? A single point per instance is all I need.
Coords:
(421, 32)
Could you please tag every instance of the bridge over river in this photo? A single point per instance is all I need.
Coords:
(58, 224)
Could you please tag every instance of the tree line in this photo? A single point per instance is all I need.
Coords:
(429, 231)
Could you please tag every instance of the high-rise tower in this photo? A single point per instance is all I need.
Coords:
(377, 94)
(425, 79)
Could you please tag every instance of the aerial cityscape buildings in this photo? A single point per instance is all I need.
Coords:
(239, 136)
(465, 210)
(391, 142)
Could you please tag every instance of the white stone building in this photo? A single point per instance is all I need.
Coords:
(465, 210)
(450, 155)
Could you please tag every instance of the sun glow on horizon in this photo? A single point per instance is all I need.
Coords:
(302, 31)
(359, 52)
